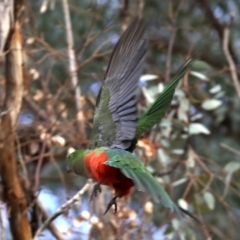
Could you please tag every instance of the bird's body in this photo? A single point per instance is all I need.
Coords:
(120, 170)
(96, 167)
(116, 129)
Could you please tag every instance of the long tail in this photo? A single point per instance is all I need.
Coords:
(157, 192)
(131, 167)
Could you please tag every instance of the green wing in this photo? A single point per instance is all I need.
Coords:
(157, 110)
(133, 168)
(115, 118)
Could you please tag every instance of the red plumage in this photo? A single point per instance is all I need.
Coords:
(107, 175)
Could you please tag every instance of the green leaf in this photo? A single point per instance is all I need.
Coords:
(199, 75)
(179, 181)
(217, 88)
(197, 128)
(232, 167)
(148, 77)
(209, 199)
(178, 151)
(199, 65)
(183, 203)
(211, 104)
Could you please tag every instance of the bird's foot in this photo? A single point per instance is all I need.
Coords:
(111, 203)
(96, 189)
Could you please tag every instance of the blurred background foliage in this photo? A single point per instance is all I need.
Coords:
(193, 152)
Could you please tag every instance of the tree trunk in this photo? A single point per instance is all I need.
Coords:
(13, 193)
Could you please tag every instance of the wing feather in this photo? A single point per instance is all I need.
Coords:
(115, 118)
(157, 110)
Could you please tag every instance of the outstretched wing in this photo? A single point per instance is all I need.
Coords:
(115, 118)
(157, 110)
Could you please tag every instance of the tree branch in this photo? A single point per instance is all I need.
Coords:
(183, 48)
(73, 67)
(55, 232)
(219, 28)
(62, 209)
(230, 60)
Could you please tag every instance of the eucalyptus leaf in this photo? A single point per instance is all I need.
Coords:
(178, 151)
(197, 128)
(217, 88)
(199, 75)
(232, 167)
(196, 116)
(200, 65)
(209, 199)
(211, 104)
(183, 203)
(148, 77)
(147, 95)
(179, 182)
(164, 158)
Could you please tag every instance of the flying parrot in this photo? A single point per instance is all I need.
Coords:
(116, 129)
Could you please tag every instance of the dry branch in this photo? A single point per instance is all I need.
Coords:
(218, 27)
(6, 13)
(73, 67)
(230, 60)
(62, 209)
(230, 149)
(55, 232)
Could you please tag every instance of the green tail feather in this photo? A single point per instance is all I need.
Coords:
(132, 168)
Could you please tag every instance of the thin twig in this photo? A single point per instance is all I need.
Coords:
(169, 54)
(55, 232)
(230, 149)
(2, 222)
(231, 63)
(34, 107)
(73, 66)
(39, 165)
(62, 209)
(206, 6)
(140, 8)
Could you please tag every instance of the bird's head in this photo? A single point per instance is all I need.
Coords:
(75, 162)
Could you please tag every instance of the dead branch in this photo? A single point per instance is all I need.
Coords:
(6, 13)
(230, 149)
(169, 54)
(124, 13)
(140, 4)
(73, 67)
(230, 60)
(62, 209)
(218, 27)
(55, 232)
(39, 164)
(181, 47)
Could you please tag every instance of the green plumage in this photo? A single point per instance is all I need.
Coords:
(75, 162)
(158, 109)
(133, 168)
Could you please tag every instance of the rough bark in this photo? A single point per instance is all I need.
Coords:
(13, 193)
